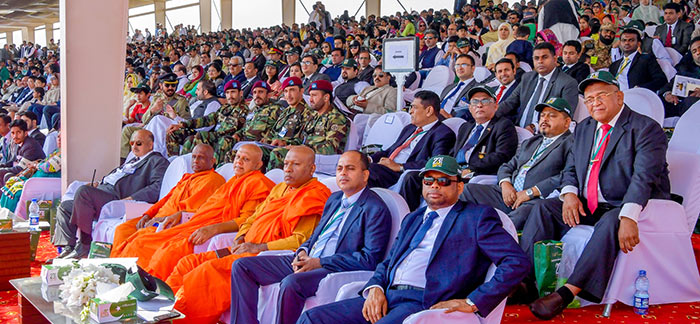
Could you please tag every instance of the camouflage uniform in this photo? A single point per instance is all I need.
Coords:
(177, 101)
(227, 120)
(288, 127)
(600, 53)
(325, 134)
(258, 123)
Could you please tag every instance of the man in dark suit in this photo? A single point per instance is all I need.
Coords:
(636, 69)
(536, 86)
(454, 96)
(138, 179)
(352, 235)
(535, 171)
(251, 77)
(679, 31)
(482, 145)
(366, 70)
(32, 130)
(422, 271)
(426, 136)
(23, 149)
(618, 163)
(571, 55)
(507, 82)
(689, 66)
(309, 66)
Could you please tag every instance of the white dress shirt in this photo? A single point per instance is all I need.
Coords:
(411, 271)
(403, 155)
(453, 103)
(508, 86)
(124, 170)
(469, 152)
(629, 210)
(622, 74)
(547, 78)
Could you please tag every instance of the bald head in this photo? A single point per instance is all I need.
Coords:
(299, 166)
(141, 142)
(203, 158)
(248, 158)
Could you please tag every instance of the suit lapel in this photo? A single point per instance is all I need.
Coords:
(485, 134)
(464, 90)
(445, 229)
(465, 136)
(549, 149)
(550, 84)
(585, 151)
(617, 133)
(353, 216)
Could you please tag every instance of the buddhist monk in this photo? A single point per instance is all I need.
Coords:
(187, 195)
(283, 221)
(223, 212)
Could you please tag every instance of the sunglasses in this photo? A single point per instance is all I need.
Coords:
(428, 38)
(442, 181)
(169, 85)
(381, 75)
(137, 143)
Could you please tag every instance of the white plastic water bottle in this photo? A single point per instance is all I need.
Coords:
(34, 216)
(641, 295)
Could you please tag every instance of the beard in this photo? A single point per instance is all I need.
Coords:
(607, 41)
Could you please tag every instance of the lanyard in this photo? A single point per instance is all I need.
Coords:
(539, 152)
(600, 144)
(335, 218)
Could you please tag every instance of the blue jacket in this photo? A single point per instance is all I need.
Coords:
(363, 239)
(440, 139)
(470, 239)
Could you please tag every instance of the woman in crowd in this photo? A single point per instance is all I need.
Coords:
(497, 50)
(190, 88)
(647, 12)
(548, 36)
(216, 75)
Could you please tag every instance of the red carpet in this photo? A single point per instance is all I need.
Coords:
(673, 313)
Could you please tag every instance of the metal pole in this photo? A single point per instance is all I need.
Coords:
(217, 13)
(303, 6)
(400, 80)
(401, 4)
(358, 9)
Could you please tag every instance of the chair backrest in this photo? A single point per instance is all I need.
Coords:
(523, 134)
(331, 184)
(352, 141)
(415, 84)
(481, 73)
(668, 69)
(687, 131)
(360, 122)
(387, 128)
(50, 143)
(675, 56)
(276, 175)
(226, 171)
(581, 112)
(438, 78)
(370, 122)
(454, 123)
(398, 209)
(684, 175)
(650, 30)
(526, 67)
(176, 169)
(645, 102)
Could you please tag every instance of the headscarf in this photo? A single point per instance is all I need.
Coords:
(549, 37)
(193, 83)
(648, 13)
(497, 50)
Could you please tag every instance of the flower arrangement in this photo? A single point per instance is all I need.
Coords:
(80, 286)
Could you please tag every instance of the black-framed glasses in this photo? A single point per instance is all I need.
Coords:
(441, 181)
(381, 75)
(168, 85)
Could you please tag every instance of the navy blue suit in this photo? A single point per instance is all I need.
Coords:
(438, 140)
(470, 239)
(633, 170)
(361, 245)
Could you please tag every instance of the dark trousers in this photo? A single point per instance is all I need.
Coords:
(65, 233)
(593, 268)
(249, 274)
(412, 189)
(491, 195)
(401, 304)
(38, 110)
(381, 176)
(52, 115)
(79, 214)
(671, 110)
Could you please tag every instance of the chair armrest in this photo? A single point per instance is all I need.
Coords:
(134, 209)
(484, 179)
(329, 286)
(350, 290)
(276, 252)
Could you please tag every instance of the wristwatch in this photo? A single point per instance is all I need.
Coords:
(401, 169)
(471, 303)
(530, 193)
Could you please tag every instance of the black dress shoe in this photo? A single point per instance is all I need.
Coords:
(66, 251)
(81, 252)
(548, 306)
(523, 294)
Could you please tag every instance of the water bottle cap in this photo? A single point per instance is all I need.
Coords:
(642, 272)
(34, 200)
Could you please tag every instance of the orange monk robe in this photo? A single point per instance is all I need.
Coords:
(188, 194)
(284, 220)
(236, 200)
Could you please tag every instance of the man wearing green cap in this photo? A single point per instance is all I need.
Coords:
(650, 45)
(421, 273)
(617, 163)
(352, 85)
(535, 171)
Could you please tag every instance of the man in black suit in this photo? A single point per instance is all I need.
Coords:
(617, 163)
(32, 130)
(482, 145)
(571, 55)
(674, 105)
(536, 86)
(23, 148)
(309, 66)
(138, 179)
(679, 30)
(425, 137)
(507, 82)
(251, 77)
(636, 69)
(535, 170)
(366, 70)
(454, 96)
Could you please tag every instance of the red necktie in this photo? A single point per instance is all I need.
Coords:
(405, 144)
(592, 190)
(669, 35)
(500, 93)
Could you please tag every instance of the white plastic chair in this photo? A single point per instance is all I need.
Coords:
(276, 175)
(50, 143)
(526, 67)
(581, 112)
(645, 102)
(668, 69)
(370, 122)
(331, 184)
(481, 73)
(387, 128)
(37, 188)
(675, 56)
(454, 123)
(226, 171)
(523, 134)
(484, 179)
(650, 30)
(438, 78)
(687, 131)
(328, 287)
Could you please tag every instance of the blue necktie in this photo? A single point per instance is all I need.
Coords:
(520, 178)
(415, 241)
(329, 229)
(471, 142)
(454, 92)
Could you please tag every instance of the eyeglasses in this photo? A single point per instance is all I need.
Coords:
(442, 181)
(233, 65)
(325, 46)
(169, 85)
(463, 65)
(428, 38)
(380, 75)
(591, 100)
(363, 58)
(306, 62)
(476, 102)
(137, 143)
